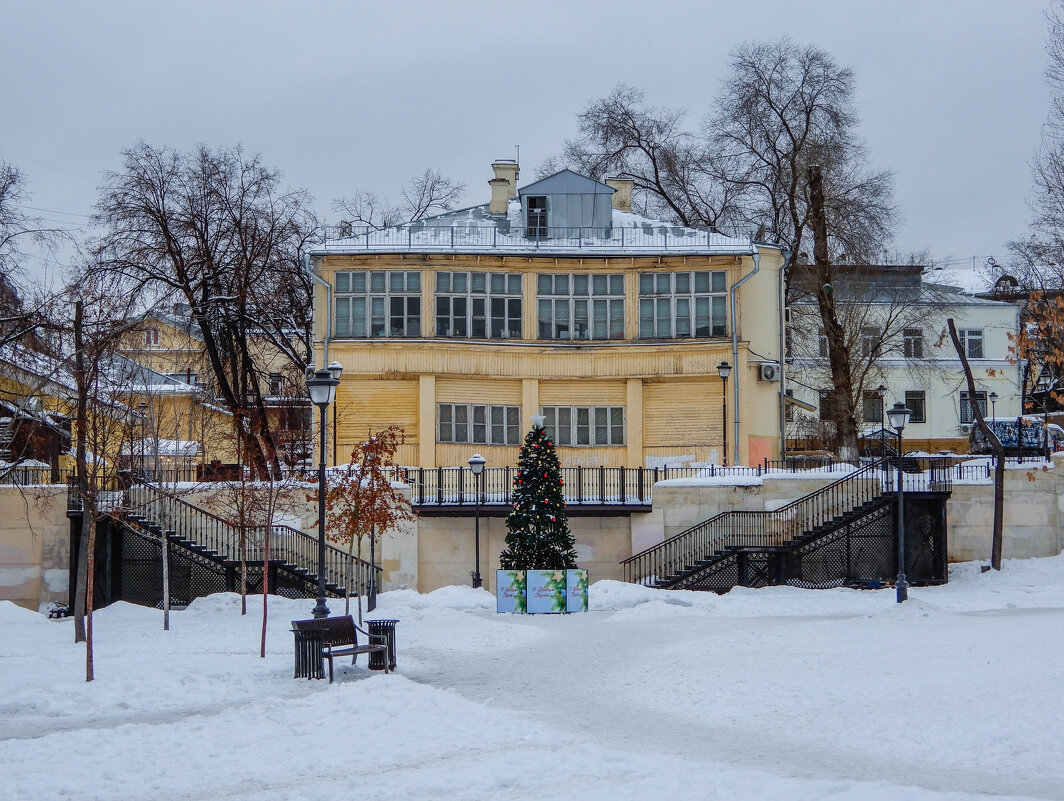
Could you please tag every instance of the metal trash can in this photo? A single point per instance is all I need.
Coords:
(309, 661)
(387, 628)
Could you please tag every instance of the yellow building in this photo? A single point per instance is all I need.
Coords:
(554, 299)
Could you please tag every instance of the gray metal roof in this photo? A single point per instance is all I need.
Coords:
(566, 182)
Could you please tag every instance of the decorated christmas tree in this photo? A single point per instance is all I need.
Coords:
(538, 536)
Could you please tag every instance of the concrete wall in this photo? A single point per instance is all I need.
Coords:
(1034, 515)
(34, 546)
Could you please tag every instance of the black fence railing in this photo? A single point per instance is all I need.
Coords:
(229, 542)
(779, 527)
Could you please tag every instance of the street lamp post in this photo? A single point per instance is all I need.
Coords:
(322, 389)
(476, 464)
(993, 405)
(899, 416)
(724, 370)
(335, 370)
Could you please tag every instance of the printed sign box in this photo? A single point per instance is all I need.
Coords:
(510, 591)
(541, 591)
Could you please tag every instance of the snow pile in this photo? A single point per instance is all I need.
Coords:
(757, 694)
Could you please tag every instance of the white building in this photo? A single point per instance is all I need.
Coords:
(901, 352)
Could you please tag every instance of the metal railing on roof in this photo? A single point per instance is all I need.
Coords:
(421, 237)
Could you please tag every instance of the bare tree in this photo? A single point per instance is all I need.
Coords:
(214, 229)
(424, 194)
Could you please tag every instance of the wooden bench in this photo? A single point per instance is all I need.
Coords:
(324, 638)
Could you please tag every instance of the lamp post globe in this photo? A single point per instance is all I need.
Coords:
(993, 405)
(899, 417)
(724, 370)
(322, 391)
(476, 466)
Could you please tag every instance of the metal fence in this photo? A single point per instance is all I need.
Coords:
(421, 236)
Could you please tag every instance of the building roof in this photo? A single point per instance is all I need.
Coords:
(566, 182)
(474, 230)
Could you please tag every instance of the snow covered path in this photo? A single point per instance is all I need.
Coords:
(770, 694)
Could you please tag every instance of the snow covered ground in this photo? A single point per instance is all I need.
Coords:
(758, 694)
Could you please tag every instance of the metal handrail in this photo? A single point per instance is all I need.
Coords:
(220, 536)
(779, 527)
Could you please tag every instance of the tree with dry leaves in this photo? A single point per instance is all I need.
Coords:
(362, 501)
(423, 195)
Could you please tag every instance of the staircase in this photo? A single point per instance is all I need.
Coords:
(151, 513)
(843, 533)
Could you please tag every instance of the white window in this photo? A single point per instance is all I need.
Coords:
(913, 343)
(972, 342)
(536, 222)
(478, 305)
(585, 425)
(381, 303)
(916, 402)
(151, 337)
(872, 403)
(580, 306)
(688, 304)
(479, 424)
(870, 341)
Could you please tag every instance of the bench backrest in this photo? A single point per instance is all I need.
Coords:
(338, 630)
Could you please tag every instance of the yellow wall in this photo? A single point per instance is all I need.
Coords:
(670, 390)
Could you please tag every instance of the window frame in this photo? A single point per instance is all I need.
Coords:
(509, 300)
(871, 396)
(913, 343)
(594, 423)
(910, 397)
(480, 415)
(344, 304)
(563, 293)
(965, 404)
(972, 339)
(666, 299)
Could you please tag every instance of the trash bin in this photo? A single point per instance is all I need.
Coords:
(309, 662)
(387, 628)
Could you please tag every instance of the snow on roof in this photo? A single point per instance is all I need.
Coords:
(475, 229)
(167, 447)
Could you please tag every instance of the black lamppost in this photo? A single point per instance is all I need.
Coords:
(899, 416)
(476, 464)
(322, 389)
(993, 405)
(724, 370)
(882, 392)
(335, 370)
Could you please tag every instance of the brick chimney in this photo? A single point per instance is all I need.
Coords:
(622, 198)
(503, 185)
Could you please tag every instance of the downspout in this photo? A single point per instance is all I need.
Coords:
(783, 355)
(328, 307)
(735, 344)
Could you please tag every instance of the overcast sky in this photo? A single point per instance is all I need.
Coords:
(345, 95)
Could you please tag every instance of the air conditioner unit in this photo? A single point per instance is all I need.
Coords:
(769, 372)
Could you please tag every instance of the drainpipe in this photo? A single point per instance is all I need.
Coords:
(328, 307)
(735, 344)
(783, 355)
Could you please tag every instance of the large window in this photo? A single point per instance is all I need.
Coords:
(972, 342)
(827, 404)
(585, 425)
(916, 402)
(478, 305)
(913, 343)
(536, 227)
(691, 304)
(967, 414)
(871, 338)
(381, 303)
(580, 306)
(479, 425)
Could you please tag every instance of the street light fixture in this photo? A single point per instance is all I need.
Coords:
(322, 389)
(899, 416)
(476, 465)
(993, 405)
(724, 370)
(335, 370)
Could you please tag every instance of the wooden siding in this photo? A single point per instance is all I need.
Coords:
(477, 389)
(370, 405)
(582, 393)
(682, 413)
